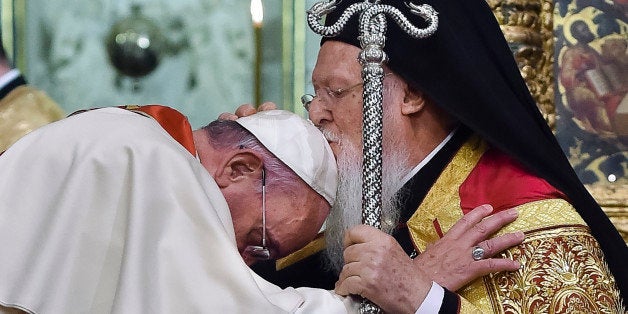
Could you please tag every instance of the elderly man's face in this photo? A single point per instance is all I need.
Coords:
(339, 116)
(340, 119)
(293, 219)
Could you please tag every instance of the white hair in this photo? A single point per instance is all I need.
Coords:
(346, 211)
(229, 135)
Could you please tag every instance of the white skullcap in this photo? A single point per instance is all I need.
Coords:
(299, 145)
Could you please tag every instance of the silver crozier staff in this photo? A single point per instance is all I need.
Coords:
(372, 27)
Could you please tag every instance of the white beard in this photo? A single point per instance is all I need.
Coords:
(347, 211)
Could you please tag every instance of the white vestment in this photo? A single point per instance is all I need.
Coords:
(103, 212)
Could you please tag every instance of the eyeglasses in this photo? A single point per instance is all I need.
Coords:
(261, 252)
(330, 95)
(307, 99)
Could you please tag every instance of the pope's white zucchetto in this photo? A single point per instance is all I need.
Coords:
(299, 145)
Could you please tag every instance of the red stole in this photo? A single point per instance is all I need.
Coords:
(175, 123)
(505, 186)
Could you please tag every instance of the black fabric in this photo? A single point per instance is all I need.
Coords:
(451, 303)
(413, 192)
(467, 68)
(309, 272)
(18, 81)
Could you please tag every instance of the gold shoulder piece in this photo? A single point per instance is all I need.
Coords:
(311, 248)
(544, 214)
(564, 269)
(23, 110)
(467, 307)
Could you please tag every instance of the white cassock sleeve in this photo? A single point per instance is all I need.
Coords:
(104, 212)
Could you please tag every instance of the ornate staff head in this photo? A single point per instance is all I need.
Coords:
(372, 30)
(372, 37)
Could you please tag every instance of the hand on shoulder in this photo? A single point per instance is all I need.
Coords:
(246, 110)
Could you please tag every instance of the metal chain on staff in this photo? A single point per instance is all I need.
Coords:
(372, 24)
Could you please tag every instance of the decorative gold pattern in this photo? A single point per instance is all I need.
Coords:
(467, 307)
(544, 214)
(442, 201)
(564, 269)
(614, 201)
(528, 28)
(564, 272)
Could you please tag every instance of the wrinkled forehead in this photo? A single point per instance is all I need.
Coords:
(338, 60)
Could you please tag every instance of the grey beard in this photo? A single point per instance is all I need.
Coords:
(347, 211)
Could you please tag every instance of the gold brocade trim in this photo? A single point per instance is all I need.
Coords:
(564, 269)
(443, 201)
(131, 107)
(537, 215)
(543, 214)
(564, 272)
(311, 248)
(467, 307)
(442, 206)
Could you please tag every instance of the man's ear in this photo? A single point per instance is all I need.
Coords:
(238, 167)
(413, 101)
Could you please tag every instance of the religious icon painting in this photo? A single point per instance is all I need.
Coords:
(591, 58)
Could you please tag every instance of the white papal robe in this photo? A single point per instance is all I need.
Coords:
(103, 212)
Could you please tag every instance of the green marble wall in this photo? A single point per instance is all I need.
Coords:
(209, 72)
